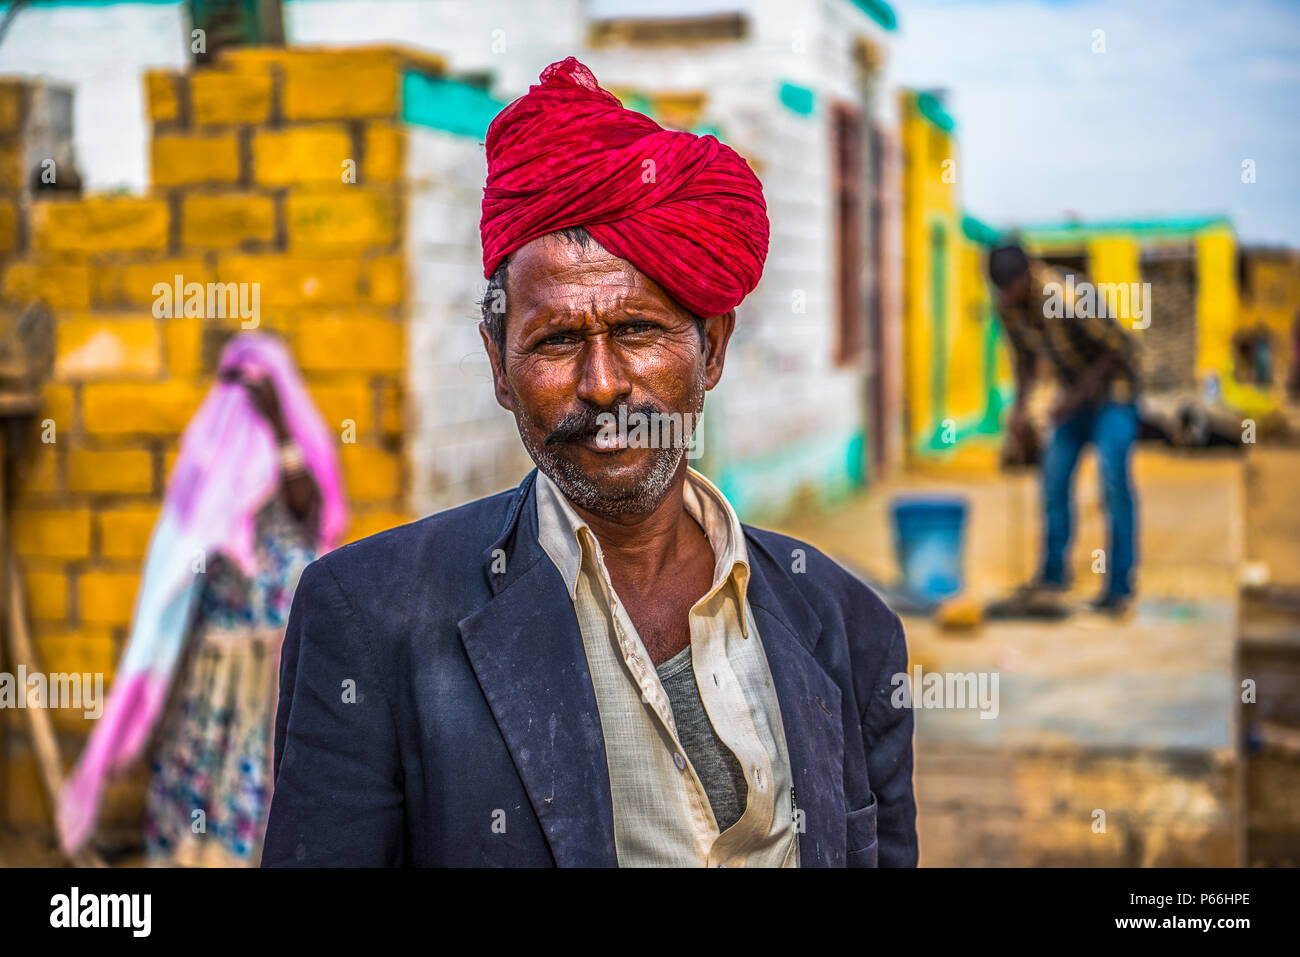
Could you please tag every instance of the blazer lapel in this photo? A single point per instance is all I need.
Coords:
(810, 712)
(527, 653)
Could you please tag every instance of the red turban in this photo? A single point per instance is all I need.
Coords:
(684, 209)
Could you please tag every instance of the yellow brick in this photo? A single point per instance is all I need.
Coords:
(386, 280)
(160, 93)
(13, 169)
(133, 284)
(98, 348)
(339, 59)
(390, 408)
(8, 226)
(184, 346)
(106, 598)
(124, 532)
(101, 224)
(305, 154)
(348, 218)
(324, 90)
(27, 808)
(64, 651)
(296, 280)
(61, 285)
(88, 651)
(345, 400)
(38, 472)
(372, 523)
(355, 343)
(221, 97)
(52, 532)
(385, 153)
(57, 407)
(180, 159)
(371, 474)
(47, 595)
(149, 408)
(116, 471)
(222, 222)
(11, 105)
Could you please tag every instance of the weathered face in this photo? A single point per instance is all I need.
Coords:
(586, 333)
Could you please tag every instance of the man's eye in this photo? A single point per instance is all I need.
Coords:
(636, 328)
(559, 339)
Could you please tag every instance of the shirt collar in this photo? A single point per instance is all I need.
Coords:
(564, 534)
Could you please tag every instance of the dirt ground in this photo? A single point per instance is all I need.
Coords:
(1129, 724)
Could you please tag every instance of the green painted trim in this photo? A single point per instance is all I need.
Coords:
(445, 104)
(879, 11)
(980, 232)
(939, 262)
(1082, 231)
(638, 103)
(97, 3)
(991, 421)
(766, 483)
(855, 466)
(932, 110)
(798, 99)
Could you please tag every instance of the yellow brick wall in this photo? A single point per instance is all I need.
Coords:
(247, 185)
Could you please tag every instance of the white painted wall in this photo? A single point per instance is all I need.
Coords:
(513, 39)
(102, 51)
(462, 445)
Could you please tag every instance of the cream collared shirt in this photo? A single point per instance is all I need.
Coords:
(662, 815)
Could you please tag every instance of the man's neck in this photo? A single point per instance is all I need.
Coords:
(649, 543)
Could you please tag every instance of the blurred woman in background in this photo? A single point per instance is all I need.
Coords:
(254, 497)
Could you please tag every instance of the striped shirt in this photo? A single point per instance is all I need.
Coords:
(662, 811)
(1070, 342)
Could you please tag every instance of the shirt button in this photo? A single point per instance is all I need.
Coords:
(679, 761)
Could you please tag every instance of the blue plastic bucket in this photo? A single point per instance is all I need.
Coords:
(929, 535)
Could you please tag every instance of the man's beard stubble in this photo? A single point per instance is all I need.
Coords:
(589, 494)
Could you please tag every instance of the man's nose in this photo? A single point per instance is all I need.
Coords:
(603, 380)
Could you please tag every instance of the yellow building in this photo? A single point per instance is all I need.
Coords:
(1270, 301)
(1186, 272)
(956, 378)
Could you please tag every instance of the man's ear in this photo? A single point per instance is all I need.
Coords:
(717, 335)
(498, 368)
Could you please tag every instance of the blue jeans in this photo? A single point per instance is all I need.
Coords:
(1112, 427)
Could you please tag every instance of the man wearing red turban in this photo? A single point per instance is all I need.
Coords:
(602, 666)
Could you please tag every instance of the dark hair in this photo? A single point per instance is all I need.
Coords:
(494, 316)
(1006, 264)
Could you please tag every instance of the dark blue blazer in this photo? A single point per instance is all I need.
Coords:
(437, 710)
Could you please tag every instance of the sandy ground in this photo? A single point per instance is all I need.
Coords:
(1154, 696)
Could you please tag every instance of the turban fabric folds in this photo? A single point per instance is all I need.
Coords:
(684, 209)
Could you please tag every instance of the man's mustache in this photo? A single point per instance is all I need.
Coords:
(585, 423)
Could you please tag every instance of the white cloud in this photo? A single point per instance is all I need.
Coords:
(1158, 125)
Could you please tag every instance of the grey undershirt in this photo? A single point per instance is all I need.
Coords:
(719, 771)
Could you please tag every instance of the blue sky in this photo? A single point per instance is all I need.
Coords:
(1157, 125)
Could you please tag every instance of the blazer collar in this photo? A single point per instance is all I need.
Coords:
(527, 652)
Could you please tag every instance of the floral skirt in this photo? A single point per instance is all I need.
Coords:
(211, 786)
